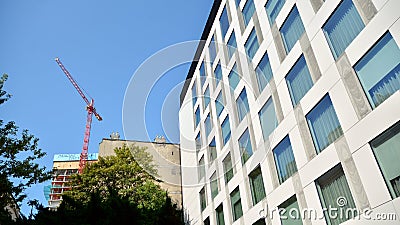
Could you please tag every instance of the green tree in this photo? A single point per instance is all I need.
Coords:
(18, 168)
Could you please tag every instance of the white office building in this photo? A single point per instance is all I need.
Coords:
(298, 120)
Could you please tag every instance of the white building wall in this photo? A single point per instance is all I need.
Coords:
(363, 174)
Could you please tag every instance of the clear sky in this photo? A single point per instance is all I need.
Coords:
(102, 43)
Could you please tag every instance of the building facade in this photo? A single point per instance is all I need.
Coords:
(294, 105)
(64, 165)
(166, 158)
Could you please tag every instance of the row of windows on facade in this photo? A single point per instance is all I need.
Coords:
(330, 186)
(378, 70)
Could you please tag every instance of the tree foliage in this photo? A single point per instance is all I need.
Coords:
(18, 168)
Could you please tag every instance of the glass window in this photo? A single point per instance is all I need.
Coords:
(387, 152)
(268, 118)
(203, 199)
(379, 70)
(219, 104)
(260, 222)
(324, 124)
(242, 105)
(233, 77)
(202, 168)
(214, 185)
(206, 97)
(248, 11)
(252, 44)
(220, 215)
(299, 80)
(197, 116)
(207, 221)
(237, 2)
(226, 130)
(284, 160)
(194, 94)
(273, 8)
(212, 49)
(291, 211)
(218, 74)
(236, 204)
(263, 72)
(212, 147)
(331, 187)
(245, 146)
(256, 185)
(342, 27)
(292, 29)
(232, 45)
(224, 22)
(208, 124)
(228, 169)
(198, 143)
(203, 74)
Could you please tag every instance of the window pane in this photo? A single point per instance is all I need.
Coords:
(324, 124)
(342, 27)
(379, 70)
(198, 143)
(273, 8)
(268, 118)
(292, 29)
(242, 105)
(202, 168)
(284, 159)
(236, 204)
(197, 115)
(234, 78)
(194, 94)
(208, 124)
(256, 185)
(252, 44)
(220, 215)
(206, 97)
(212, 147)
(387, 153)
(299, 80)
(224, 21)
(202, 74)
(245, 146)
(331, 186)
(231, 45)
(214, 185)
(263, 72)
(207, 221)
(248, 11)
(260, 222)
(291, 211)
(228, 169)
(226, 130)
(212, 49)
(219, 104)
(218, 74)
(203, 201)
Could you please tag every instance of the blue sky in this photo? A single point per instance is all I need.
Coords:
(101, 43)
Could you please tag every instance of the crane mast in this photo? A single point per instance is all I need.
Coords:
(90, 111)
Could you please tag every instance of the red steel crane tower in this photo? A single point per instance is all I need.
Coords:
(90, 109)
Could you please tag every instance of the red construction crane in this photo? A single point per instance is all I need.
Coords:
(90, 109)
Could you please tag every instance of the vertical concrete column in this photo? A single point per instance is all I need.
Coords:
(366, 9)
(301, 199)
(305, 133)
(278, 42)
(310, 57)
(277, 102)
(316, 4)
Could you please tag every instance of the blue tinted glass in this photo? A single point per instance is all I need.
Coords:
(324, 124)
(252, 44)
(218, 74)
(202, 74)
(299, 80)
(224, 21)
(292, 29)
(284, 160)
(226, 130)
(232, 45)
(212, 49)
(197, 115)
(379, 70)
(263, 72)
(242, 105)
(208, 125)
(268, 119)
(245, 146)
(206, 97)
(248, 11)
(342, 27)
(219, 104)
(273, 8)
(234, 78)
(194, 94)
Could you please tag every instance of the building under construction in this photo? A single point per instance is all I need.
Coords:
(64, 165)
